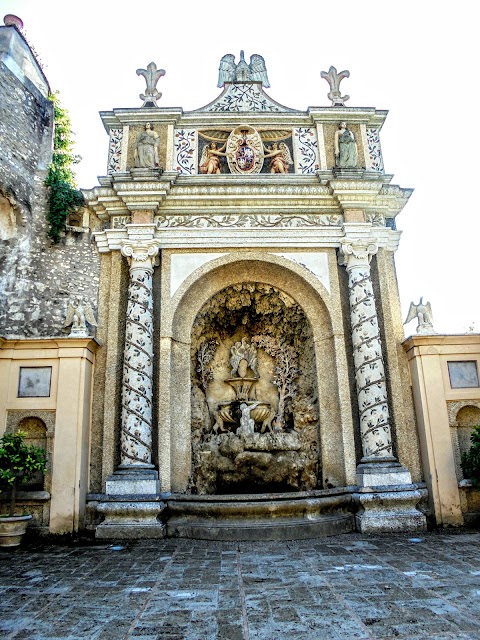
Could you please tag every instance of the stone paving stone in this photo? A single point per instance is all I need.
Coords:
(351, 586)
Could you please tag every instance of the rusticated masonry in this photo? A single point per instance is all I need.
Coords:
(136, 422)
(367, 353)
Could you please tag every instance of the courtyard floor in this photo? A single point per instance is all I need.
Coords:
(352, 586)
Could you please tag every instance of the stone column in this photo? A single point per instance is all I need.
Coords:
(367, 354)
(132, 507)
(136, 420)
(386, 497)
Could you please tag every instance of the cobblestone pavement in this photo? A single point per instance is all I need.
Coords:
(350, 586)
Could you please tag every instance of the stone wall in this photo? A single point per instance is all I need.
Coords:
(37, 279)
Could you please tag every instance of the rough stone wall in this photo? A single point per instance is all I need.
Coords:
(37, 279)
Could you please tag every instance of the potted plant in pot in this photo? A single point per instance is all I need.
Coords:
(18, 464)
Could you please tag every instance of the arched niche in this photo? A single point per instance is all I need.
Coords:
(35, 431)
(335, 429)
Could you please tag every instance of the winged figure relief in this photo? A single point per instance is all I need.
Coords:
(227, 142)
(256, 71)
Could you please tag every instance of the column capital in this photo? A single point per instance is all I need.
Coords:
(140, 254)
(355, 253)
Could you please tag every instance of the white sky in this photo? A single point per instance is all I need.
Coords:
(415, 58)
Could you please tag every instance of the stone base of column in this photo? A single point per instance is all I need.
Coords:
(380, 474)
(389, 508)
(133, 481)
(387, 500)
(131, 518)
(132, 507)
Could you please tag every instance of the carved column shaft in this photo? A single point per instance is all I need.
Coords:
(136, 415)
(367, 354)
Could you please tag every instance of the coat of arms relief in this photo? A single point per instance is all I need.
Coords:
(245, 150)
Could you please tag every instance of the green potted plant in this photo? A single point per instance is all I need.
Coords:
(18, 464)
(471, 459)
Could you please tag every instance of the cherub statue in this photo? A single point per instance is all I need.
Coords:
(78, 315)
(280, 156)
(423, 312)
(247, 424)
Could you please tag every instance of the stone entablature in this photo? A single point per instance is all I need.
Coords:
(176, 199)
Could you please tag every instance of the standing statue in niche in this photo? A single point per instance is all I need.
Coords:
(346, 155)
(146, 154)
(210, 160)
(280, 157)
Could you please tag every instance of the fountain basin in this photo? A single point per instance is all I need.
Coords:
(280, 516)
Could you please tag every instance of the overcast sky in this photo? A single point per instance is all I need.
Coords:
(413, 58)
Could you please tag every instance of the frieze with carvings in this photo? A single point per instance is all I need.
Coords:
(248, 221)
(244, 97)
(376, 219)
(185, 149)
(119, 222)
(306, 144)
(374, 150)
(114, 150)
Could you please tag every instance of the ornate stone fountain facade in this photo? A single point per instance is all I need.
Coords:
(263, 390)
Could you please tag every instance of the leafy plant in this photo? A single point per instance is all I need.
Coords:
(63, 197)
(18, 463)
(471, 458)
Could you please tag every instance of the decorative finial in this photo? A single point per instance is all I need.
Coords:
(423, 312)
(333, 78)
(242, 72)
(13, 21)
(152, 75)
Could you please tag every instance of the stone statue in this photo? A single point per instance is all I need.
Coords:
(346, 156)
(256, 71)
(78, 315)
(333, 78)
(146, 154)
(247, 424)
(243, 351)
(210, 160)
(423, 312)
(152, 75)
(280, 157)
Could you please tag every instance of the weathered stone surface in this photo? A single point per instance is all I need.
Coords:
(36, 279)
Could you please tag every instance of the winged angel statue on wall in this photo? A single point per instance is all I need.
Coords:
(242, 72)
